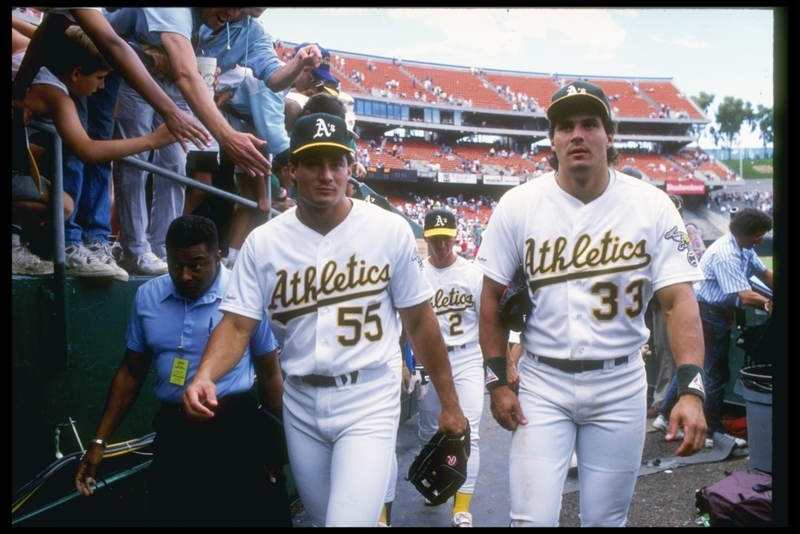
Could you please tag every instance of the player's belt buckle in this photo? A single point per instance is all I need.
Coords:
(322, 381)
(579, 366)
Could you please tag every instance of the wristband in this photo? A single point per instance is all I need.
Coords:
(690, 380)
(100, 442)
(496, 372)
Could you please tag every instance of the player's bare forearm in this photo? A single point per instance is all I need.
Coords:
(224, 350)
(269, 379)
(493, 337)
(685, 331)
(684, 327)
(422, 328)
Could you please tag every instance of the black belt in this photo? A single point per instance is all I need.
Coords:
(322, 381)
(451, 348)
(579, 366)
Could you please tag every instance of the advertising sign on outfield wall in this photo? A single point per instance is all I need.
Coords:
(499, 179)
(457, 178)
(688, 187)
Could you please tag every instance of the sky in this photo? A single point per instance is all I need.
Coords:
(724, 52)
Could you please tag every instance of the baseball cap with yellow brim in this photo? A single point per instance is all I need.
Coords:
(440, 223)
(578, 96)
(319, 130)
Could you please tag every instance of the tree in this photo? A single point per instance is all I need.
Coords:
(703, 101)
(762, 119)
(732, 113)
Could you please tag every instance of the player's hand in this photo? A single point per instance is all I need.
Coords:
(452, 420)
(309, 56)
(359, 169)
(513, 375)
(84, 475)
(645, 351)
(200, 394)
(506, 409)
(187, 129)
(419, 378)
(245, 151)
(688, 414)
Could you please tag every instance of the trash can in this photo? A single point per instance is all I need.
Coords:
(755, 385)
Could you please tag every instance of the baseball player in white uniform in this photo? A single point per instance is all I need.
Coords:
(336, 276)
(595, 245)
(456, 303)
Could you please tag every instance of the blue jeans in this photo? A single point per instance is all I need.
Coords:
(716, 335)
(89, 184)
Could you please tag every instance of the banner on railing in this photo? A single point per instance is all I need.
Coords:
(686, 187)
(457, 178)
(500, 179)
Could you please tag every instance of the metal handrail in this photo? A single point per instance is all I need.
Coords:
(59, 289)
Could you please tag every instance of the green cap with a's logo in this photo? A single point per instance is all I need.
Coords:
(319, 130)
(578, 96)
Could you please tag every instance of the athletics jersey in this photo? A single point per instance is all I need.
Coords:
(456, 299)
(333, 299)
(600, 262)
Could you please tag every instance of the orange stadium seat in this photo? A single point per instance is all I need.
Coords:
(460, 83)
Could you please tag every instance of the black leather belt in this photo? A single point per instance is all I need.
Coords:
(451, 348)
(579, 366)
(322, 381)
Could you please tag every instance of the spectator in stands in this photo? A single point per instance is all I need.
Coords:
(88, 229)
(73, 70)
(164, 37)
(310, 82)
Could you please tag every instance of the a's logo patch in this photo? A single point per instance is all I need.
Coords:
(684, 243)
(439, 221)
(572, 90)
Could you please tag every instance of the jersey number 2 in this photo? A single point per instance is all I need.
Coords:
(347, 319)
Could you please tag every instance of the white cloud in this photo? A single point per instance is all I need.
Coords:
(657, 37)
(691, 42)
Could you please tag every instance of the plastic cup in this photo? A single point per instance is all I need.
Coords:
(207, 67)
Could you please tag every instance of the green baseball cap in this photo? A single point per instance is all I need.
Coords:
(578, 95)
(319, 130)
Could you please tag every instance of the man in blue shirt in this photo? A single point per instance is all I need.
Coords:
(727, 266)
(229, 458)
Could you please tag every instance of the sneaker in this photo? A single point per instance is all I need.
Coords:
(102, 251)
(573, 463)
(738, 443)
(81, 262)
(462, 519)
(147, 264)
(23, 261)
(116, 251)
(662, 424)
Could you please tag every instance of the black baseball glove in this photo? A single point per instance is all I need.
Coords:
(515, 304)
(440, 469)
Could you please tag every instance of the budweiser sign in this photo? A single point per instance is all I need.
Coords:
(688, 187)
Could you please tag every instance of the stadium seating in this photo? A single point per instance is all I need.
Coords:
(668, 94)
(631, 103)
(540, 88)
(460, 83)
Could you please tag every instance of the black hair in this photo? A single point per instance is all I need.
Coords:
(750, 221)
(325, 103)
(189, 230)
(611, 153)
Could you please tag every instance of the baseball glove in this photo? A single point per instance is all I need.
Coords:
(440, 469)
(515, 304)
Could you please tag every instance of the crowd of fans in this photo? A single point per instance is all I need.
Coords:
(723, 201)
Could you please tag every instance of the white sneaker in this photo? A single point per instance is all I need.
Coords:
(147, 264)
(662, 424)
(116, 251)
(102, 251)
(738, 443)
(80, 261)
(462, 519)
(23, 261)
